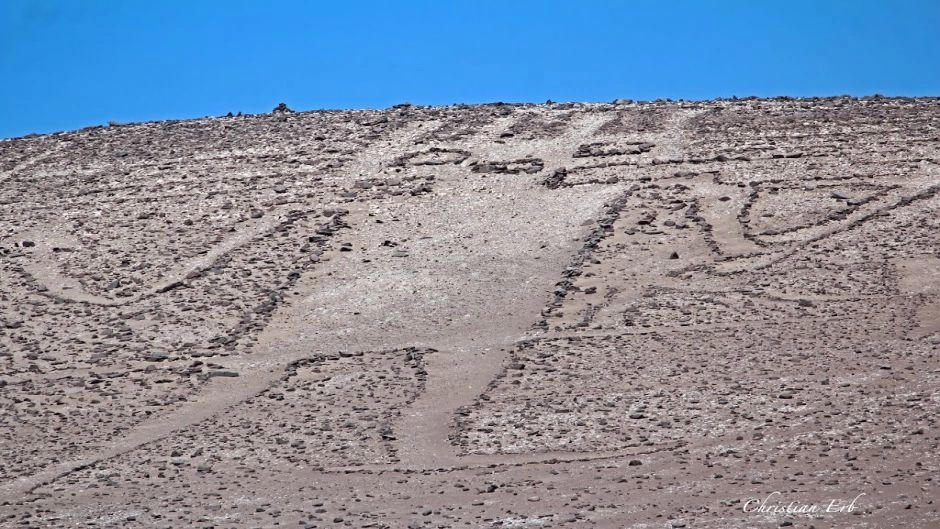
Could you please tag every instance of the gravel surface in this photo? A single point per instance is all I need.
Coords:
(719, 314)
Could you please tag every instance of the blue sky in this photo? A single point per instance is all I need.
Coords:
(66, 64)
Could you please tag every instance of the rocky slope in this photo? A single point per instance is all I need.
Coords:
(660, 314)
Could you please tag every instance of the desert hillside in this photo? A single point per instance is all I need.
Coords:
(614, 315)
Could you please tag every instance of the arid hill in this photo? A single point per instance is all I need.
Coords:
(626, 315)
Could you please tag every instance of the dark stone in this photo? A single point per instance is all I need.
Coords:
(556, 179)
(222, 373)
(171, 286)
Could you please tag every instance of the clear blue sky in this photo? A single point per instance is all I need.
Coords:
(66, 64)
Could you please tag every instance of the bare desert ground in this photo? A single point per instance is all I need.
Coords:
(718, 314)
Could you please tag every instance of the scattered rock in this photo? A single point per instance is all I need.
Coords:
(281, 108)
(222, 373)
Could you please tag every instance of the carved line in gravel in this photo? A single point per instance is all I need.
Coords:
(927, 317)
(852, 206)
(30, 162)
(730, 265)
(414, 357)
(664, 329)
(141, 435)
(817, 135)
(481, 461)
(672, 139)
(19, 489)
(265, 310)
(722, 158)
(774, 295)
(204, 407)
(731, 438)
(602, 230)
(80, 194)
(51, 280)
(76, 200)
(847, 224)
(229, 159)
(706, 229)
(460, 425)
(820, 181)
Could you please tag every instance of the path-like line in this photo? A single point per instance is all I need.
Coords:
(4, 176)
(481, 461)
(45, 272)
(203, 407)
(856, 219)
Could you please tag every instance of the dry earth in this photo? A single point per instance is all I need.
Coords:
(565, 315)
